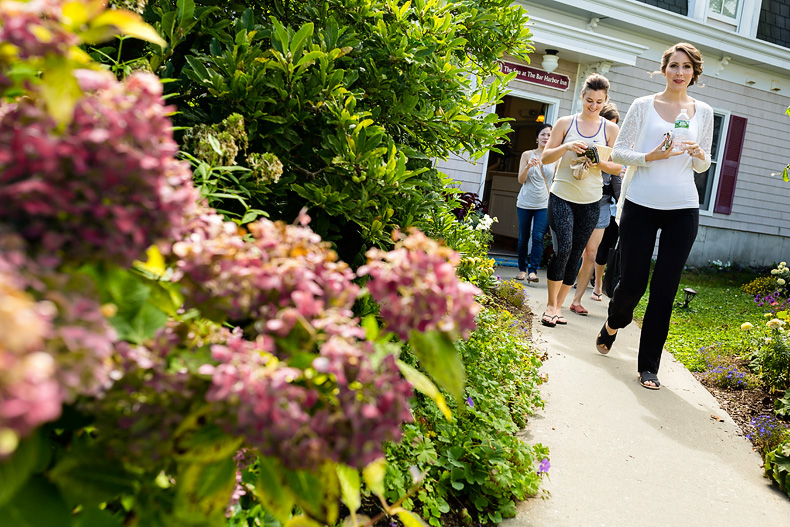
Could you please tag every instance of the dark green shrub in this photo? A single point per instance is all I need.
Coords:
(354, 97)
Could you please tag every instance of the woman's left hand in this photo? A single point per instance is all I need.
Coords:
(693, 149)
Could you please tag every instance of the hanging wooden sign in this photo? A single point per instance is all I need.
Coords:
(536, 76)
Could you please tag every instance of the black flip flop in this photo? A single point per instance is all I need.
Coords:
(649, 376)
(604, 341)
(551, 322)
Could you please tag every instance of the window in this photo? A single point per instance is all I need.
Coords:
(716, 186)
(705, 180)
(725, 8)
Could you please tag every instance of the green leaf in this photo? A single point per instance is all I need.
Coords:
(455, 455)
(349, 486)
(371, 327)
(423, 384)
(200, 70)
(141, 326)
(168, 24)
(16, 470)
(215, 478)
(89, 478)
(410, 519)
(317, 493)
(439, 357)
(299, 39)
(271, 492)
(301, 521)
(280, 36)
(128, 23)
(37, 504)
(310, 57)
(203, 491)
(186, 12)
(214, 144)
(97, 518)
(373, 474)
(59, 90)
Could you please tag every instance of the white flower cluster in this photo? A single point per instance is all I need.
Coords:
(719, 265)
(782, 272)
(485, 223)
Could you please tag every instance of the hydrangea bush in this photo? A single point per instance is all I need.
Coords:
(224, 340)
(104, 188)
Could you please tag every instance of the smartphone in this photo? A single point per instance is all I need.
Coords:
(592, 154)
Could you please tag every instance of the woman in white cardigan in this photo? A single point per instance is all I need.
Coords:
(658, 193)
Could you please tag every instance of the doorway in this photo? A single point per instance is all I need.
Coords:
(526, 112)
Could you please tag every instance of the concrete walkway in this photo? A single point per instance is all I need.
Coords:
(622, 455)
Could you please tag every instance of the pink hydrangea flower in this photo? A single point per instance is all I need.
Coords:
(108, 186)
(282, 413)
(283, 277)
(418, 289)
(55, 344)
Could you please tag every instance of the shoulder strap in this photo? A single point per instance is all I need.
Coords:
(573, 121)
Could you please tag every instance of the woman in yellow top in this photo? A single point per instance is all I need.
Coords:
(573, 203)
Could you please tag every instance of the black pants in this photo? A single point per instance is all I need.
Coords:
(571, 226)
(638, 229)
(607, 242)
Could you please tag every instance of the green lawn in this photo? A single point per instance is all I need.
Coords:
(715, 314)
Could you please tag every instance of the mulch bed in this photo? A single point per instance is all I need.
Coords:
(742, 405)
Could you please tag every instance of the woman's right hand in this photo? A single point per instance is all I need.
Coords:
(576, 146)
(534, 161)
(659, 152)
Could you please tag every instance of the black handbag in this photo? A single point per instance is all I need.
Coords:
(612, 274)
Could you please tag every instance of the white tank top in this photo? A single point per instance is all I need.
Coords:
(534, 193)
(567, 187)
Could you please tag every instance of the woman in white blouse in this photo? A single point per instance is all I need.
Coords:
(658, 194)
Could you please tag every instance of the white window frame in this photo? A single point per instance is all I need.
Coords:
(714, 189)
(723, 18)
(745, 23)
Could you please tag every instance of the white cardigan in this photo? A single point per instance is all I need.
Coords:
(632, 132)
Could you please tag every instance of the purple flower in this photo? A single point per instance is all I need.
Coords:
(544, 466)
(470, 402)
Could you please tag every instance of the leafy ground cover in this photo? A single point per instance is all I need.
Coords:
(475, 465)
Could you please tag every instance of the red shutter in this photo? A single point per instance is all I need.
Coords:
(729, 167)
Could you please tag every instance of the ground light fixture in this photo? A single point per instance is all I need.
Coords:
(689, 292)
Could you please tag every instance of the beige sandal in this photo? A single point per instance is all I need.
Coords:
(521, 275)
